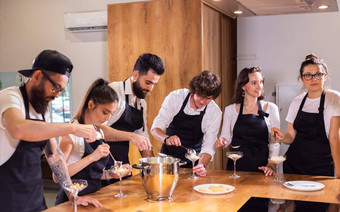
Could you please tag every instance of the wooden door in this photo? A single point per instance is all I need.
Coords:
(219, 57)
(170, 29)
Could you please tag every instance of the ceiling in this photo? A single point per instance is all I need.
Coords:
(271, 7)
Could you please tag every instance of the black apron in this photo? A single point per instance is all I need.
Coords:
(310, 152)
(251, 134)
(131, 120)
(189, 130)
(92, 173)
(21, 185)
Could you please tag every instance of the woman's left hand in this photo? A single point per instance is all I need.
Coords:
(267, 170)
(200, 170)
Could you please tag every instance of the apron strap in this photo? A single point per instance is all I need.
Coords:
(261, 111)
(27, 115)
(322, 101)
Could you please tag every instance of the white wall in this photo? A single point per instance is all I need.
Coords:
(27, 27)
(276, 43)
(280, 43)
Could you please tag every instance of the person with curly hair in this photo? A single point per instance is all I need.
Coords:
(191, 119)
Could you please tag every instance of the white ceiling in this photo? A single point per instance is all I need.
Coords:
(271, 7)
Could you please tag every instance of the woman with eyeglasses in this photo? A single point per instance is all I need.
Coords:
(88, 160)
(313, 125)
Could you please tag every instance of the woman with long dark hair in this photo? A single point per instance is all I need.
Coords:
(88, 160)
(246, 127)
(247, 123)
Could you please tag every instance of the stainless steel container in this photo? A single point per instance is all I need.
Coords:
(159, 175)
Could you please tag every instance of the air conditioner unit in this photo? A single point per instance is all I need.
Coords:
(86, 21)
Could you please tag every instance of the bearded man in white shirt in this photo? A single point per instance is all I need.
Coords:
(128, 122)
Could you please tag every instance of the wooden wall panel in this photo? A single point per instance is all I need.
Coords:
(229, 73)
(212, 58)
(165, 28)
(219, 56)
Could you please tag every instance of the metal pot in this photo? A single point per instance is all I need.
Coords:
(159, 175)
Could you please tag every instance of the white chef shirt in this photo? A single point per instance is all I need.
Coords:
(12, 98)
(119, 88)
(230, 118)
(210, 123)
(331, 107)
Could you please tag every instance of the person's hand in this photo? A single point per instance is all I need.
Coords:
(200, 170)
(173, 141)
(267, 170)
(102, 151)
(220, 142)
(278, 133)
(141, 142)
(85, 201)
(86, 131)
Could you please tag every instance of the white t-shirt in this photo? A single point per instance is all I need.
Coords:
(11, 98)
(119, 88)
(331, 107)
(78, 149)
(230, 117)
(210, 123)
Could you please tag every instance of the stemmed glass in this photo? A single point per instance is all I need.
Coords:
(119, 170)
(234, 155)
(277, 160)
(74, 187)
(192, 155)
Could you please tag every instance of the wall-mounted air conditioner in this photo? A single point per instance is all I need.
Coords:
(86, 21)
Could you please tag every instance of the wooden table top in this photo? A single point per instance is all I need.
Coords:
(250, 184)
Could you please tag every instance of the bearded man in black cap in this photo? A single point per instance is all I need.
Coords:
(25, 133)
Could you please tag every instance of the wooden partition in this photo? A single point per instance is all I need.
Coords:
(186, 34)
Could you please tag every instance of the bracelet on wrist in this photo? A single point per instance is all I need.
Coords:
(165, 139)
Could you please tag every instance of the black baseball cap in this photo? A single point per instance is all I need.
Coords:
(50, 60)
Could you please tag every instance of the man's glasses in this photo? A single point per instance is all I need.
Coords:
(310, 76)
(56, 88)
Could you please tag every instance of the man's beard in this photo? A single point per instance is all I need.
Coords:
(39, 100)
(138, 90)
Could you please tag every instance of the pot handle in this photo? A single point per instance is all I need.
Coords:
(139, 166)
(182, 163)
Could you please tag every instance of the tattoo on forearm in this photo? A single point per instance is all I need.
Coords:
(60, 171)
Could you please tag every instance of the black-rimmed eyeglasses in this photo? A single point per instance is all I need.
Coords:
(56, 88)
(310, 76)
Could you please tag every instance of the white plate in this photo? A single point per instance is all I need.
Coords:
(303, 185)
(204, 188)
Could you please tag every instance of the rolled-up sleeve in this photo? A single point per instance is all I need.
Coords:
(229, 119)
(170, 107)
(210, 126)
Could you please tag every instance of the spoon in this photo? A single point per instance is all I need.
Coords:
(189, 150)
(103, 141)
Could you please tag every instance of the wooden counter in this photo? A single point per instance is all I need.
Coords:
(249, 185)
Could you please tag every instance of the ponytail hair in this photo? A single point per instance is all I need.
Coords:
(100, 93)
